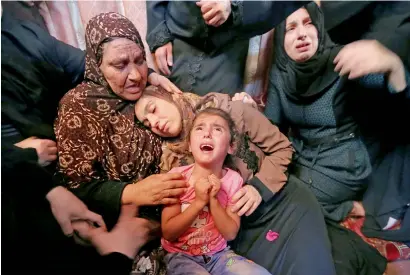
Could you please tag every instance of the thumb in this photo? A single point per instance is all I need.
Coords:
(128, 211)
(169, 55)
(66, 227)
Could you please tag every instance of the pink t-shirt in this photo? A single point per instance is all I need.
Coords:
(203, 238)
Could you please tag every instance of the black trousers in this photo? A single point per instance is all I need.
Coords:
(302, 245)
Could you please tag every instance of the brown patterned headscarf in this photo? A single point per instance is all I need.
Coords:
(97, 134)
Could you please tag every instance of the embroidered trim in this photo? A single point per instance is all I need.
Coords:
(193, 68)
(237, 12)
(247, 155)
(159, 37)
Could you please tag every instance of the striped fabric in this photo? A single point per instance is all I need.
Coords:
(8, 130)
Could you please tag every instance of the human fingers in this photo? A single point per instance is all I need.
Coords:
(171, 193)
(238, 195)
(50, 157)
(169, 54)
(169, 201)
(66, 226)
(160, 56)
(52, 150)
(49, 143)
(213, 179)
(95, 218)
(174, 88)
(164, 83)
(248, 205)
(240, 203)
(210, 14)
(346, 66)
(252, 209)
(219, 22)
(216, 21)
(205, 6)
(83, 229)
(170, 176)
(174, 184)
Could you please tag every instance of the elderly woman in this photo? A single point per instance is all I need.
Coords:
(275, 209)
(105, 156)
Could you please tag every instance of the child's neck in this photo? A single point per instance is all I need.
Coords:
(202, 172)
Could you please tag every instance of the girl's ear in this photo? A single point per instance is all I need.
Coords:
(232, 148)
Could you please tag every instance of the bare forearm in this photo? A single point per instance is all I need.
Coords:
(225, 224)
(174, 227)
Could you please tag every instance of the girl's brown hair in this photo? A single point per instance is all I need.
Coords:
(231, 125)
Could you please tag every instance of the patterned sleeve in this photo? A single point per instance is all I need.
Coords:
(79, 144)
(158, 33)
(380, 81)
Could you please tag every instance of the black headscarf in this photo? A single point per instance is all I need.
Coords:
(303, 80)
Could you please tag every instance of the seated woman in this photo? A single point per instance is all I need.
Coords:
(313, 91)
(262, 156)
(102, 148)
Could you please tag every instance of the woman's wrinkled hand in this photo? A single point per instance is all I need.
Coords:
(215, 13)
(365, 57)
(155, 190)
(127, 237)
(46, 149)
(66, 208)
(163, 58)
(245, 98)
(159, 80)
(246, 200)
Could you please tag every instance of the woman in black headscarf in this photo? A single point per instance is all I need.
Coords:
(313, 87)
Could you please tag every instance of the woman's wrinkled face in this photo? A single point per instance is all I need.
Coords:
(161, 116)
(301, 36)
(124, 68)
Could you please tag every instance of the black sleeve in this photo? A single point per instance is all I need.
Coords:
(251, 18)
(273, 109)
(102, 197)
(22, 173)
(116, 263)
(391, 27)
(158, 33)
(71, 60)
